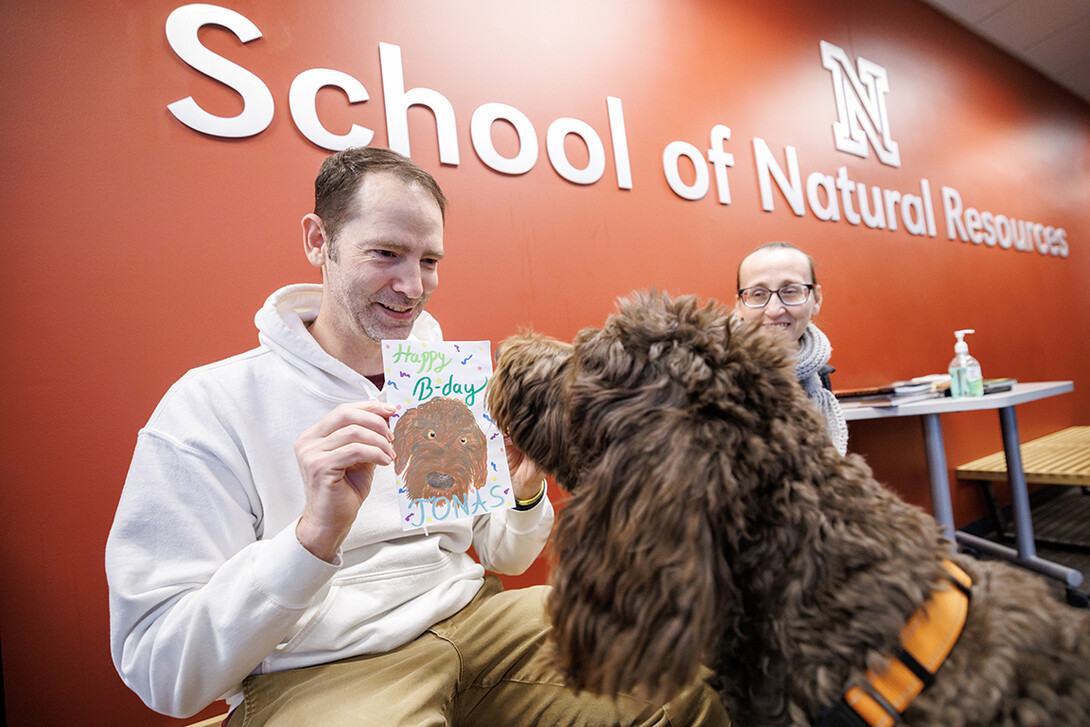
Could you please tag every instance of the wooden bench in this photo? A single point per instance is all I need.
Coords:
(1060, 458)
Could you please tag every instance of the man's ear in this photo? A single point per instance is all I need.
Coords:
(817, 299)
(315, 244)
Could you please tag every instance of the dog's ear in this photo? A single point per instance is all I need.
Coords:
(479, 448)
(642, 590)
(526, 399)
(406, 435)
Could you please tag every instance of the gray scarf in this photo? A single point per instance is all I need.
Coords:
(814, 352)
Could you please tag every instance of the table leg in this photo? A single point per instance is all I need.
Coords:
(1026, 554)
(938, 474)
(942, 509)
(1016, 476)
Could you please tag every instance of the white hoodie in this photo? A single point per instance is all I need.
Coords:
(209, 584)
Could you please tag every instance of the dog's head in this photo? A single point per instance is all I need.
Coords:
(527, 399)
(664, 424)
(441, 450)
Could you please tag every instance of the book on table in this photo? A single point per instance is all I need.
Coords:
(904, 392)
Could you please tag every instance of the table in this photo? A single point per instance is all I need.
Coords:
(929, 410)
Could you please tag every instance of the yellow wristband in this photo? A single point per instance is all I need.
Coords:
(527, 504)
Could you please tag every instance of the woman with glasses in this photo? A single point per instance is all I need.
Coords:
(777, 287)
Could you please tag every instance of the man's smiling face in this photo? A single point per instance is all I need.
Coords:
(383, 265)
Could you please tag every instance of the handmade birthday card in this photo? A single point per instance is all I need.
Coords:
(449, 457)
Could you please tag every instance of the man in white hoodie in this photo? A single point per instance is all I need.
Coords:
(257, 556)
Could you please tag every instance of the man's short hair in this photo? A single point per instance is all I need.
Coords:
(775, 246)
(339, 179)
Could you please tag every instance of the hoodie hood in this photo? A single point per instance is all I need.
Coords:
(282, 326)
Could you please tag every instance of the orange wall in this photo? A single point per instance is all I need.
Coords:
(138, 248)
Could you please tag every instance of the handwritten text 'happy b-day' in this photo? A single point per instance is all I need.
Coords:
(434, 362)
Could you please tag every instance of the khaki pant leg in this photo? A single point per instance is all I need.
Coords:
(486, 666)
(507, 678)
(412, 686)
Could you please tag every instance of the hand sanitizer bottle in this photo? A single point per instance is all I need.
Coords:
(965, 376)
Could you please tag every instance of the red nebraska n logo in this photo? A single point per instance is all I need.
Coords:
(860, 106)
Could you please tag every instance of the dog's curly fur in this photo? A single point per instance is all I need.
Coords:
(441, 450)
(712, 522)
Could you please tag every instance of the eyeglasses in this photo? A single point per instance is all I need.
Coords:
(794, 294)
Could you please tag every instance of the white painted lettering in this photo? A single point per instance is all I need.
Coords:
(951, 207)
(1045, 244)
(790, 187)
(912, 215)
(862, 124)
(1022, 241)
(877, 220)
(987, 221)
(827, 210)
(973, 225)
(846, 187)
(257, 110)
(1059, 242)
(670, 157)
(892, 197)
(861, 106)
(619, 137)
(928, 207)
(720, 159)
(1004, 232)
(301, 101)
(480, 131)
(554, 145)
(398, 101)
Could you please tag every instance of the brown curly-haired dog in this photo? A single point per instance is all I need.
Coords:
(712, 522)
(441, 450)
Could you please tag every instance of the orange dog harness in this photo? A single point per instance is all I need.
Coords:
(926, 641)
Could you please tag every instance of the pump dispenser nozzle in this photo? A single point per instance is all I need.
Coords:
(961, 346)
